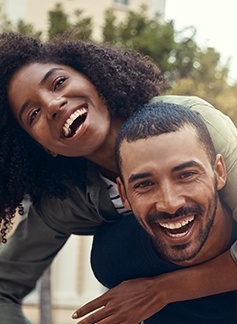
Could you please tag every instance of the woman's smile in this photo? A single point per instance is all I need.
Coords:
(60, 109)
(75, 121)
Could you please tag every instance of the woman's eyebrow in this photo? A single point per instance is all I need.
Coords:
(48, 74)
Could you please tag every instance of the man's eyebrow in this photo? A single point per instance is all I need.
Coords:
(142, 175)
(138, 176)
(185, 165)
(48, 74)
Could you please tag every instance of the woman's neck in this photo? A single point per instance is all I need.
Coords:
(104, 156)
(108, 174)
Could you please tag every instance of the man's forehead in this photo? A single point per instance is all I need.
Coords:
(173, 147)
(184, 135)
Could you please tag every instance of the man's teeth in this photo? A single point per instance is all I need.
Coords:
(71, 119)
(176, 225)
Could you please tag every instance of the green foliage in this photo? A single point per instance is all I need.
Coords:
(109, 29)
(139, 32)
(27, 29)
(226, 101)
(59, 23)
(20, 26)
(189, 68)
(5, 24)
(199, 71)
(83, 26)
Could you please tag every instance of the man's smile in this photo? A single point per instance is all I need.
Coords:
(177, 228)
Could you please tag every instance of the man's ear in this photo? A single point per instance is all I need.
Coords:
(220, 171)
(122, 193)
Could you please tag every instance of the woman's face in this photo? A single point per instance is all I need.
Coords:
(59, 108)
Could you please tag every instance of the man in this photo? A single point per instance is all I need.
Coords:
(170, 176)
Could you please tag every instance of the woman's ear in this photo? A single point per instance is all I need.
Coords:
(220, 171)
(122, 193)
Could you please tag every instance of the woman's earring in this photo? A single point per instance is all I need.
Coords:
(51, 153)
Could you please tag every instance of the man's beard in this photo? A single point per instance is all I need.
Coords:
(175, 255)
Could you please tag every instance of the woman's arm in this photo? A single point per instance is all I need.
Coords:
(135, 300)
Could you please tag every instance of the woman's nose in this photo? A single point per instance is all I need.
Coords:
(54, 106)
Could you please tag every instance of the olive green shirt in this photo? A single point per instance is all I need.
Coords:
(42, 233)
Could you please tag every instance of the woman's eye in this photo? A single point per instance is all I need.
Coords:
(59, 82)
(33, 115)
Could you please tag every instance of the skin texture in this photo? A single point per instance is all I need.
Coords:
(168, 189)
(125, 82)
(44, 96)
(163, 184)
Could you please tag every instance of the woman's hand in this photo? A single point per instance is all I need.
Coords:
(129, 303)
(135, 300)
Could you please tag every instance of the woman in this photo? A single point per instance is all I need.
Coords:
(62, 104)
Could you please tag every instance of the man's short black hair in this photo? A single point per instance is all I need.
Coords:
(159, 118)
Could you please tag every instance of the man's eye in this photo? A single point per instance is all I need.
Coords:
(187, 174)
(33, 115)
(59, 82)
(144, 184)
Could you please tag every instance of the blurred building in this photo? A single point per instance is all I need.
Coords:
(72, 280)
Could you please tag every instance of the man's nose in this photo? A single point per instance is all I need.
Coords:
(169, 199)
(54, 106)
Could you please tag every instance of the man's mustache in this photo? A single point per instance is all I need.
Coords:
(183, 211)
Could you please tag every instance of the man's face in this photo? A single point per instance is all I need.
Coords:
(171, 187)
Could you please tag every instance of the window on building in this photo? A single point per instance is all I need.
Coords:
(122, 2)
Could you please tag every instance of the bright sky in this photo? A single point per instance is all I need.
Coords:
(215, 21)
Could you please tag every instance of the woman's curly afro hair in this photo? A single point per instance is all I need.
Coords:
(124, 79)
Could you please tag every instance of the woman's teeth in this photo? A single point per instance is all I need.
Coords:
(66, 127)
